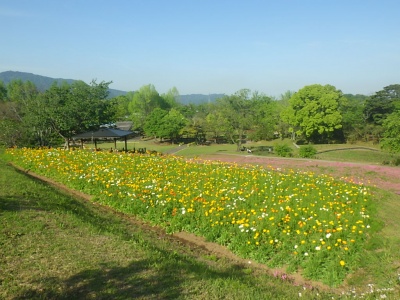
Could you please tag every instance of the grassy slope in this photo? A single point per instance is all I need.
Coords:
(54, 246)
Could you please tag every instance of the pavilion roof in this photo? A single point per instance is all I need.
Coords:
(103, 133)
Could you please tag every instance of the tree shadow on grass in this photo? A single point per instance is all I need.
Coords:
(142, 279)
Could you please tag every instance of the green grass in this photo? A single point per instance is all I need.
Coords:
(54, 246)
(357, 155)
(371, 154)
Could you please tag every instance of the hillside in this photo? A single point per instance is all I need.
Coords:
(43, 83)
(199, 98)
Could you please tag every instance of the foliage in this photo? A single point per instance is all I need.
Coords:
(391, 126)
(143, 102)
(353, 120)
(237, 111)
(71, 109)
(152, 125)
(265, 117)
(314, 111)
(382, 104)
(283, 150)
(307, 151)
(172, 125)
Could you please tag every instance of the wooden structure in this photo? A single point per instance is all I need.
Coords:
(104, 133)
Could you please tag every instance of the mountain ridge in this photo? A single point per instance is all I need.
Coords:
(44, 82)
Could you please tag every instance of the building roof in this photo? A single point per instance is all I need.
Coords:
(103, 133)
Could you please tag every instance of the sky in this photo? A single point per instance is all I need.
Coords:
(206, 46)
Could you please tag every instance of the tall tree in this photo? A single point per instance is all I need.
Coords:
(265, 117)
(142, 103)
(391, 127)
(153, 123)
(172, 125)
(3, 92)
(314, 111)
(71, 109)
(172, 97)
(236, 109)
(380, 105)
(353, 120)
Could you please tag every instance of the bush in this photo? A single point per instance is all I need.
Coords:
(283, 150)
(396, 162)
(307, 151)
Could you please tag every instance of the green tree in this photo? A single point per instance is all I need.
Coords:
(172, 125)
(215, 123)
(382, 104)
(265, 118)
(71, 109)
(314, 112)
(237, 110)
(152, 125)
(172, 98)
(16, 129)
(3, 92)
(119, 108)
(391, 135)
(353, 120)
(143, 102)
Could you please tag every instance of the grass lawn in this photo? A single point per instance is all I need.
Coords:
(362, 152)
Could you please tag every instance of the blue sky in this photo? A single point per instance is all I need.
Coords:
(204, 46)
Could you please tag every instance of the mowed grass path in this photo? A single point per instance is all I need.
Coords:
(54, 246)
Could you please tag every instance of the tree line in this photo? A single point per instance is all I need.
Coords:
(314, 114)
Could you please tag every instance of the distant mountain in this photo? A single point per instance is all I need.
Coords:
(199, 98)
(43, 83)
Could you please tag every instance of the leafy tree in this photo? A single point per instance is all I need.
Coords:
(143, 102)
(382, 104)
(216, 124)
(119, 108)
(353, 120)
(3, 92)
(71, 109)
(236, 109)
(314, 111)
(391, 135)
(172, 97)
(195, 128)
(172, 125)
(265, 117)
(15, 129)
(152, 125)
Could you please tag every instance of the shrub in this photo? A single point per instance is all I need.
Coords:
(396, 162)
(283, 150)
(307, 151)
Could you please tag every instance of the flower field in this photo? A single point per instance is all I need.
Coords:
(300, 221)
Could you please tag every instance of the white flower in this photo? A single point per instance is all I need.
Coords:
(318, 248)
(328, 235)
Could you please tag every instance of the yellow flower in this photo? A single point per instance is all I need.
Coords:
(342, 263)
